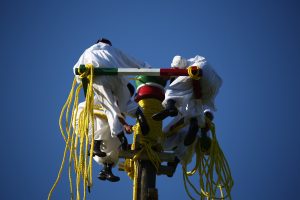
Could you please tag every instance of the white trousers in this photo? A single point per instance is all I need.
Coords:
(113, 95)
(181, 90)
(175, 143)
(110, 145)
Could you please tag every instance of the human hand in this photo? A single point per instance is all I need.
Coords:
(128, 128)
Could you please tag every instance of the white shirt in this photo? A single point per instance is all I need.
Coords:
(105, 56)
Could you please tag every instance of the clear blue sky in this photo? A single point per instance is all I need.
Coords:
(254, 45)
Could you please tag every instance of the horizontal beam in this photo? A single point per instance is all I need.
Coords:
(137, 71)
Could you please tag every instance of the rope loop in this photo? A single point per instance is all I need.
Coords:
(196, 76)
(87, 71)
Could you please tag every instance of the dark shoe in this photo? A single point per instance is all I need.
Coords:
(97, 150)
(173, 165)
(112, 178)
(192, 132)
(102, 175)
(142, 121)
(106, 174)
(172, 108)
(161, 115)
(169, 111)
(123, 140)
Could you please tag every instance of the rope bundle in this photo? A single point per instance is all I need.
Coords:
(75, 134)
(213, 170)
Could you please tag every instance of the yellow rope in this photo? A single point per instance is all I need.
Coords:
(194, 170)
(213, 170)
(134, 168)
(78, 152)
(185, 186)
(196, 76)
(67, 139)
(153, 139)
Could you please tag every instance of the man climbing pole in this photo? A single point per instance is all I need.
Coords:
(113, 92)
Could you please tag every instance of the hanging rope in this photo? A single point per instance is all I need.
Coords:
(213, 170)
(76, 139)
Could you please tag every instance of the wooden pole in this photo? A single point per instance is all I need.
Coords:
(148, 181)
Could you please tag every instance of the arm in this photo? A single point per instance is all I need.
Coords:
(128, 128)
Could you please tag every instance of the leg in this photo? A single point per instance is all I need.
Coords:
(205, 140)
(123, 140)
(170, 110)
(192, 132)
(97, 149)
(106, 173)
(173, 165)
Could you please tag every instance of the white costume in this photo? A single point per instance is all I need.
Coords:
(110, 145)
(175, 143)
(181, 90)
(111, 91)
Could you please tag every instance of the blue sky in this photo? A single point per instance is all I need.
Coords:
(254, 45)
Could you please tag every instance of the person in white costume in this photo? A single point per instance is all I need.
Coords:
(111, 91)
(175, 142)
(104, 141)
(185, 100)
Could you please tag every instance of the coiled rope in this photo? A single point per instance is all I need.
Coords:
(213, 170)
(196, 76)
(77, 152)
